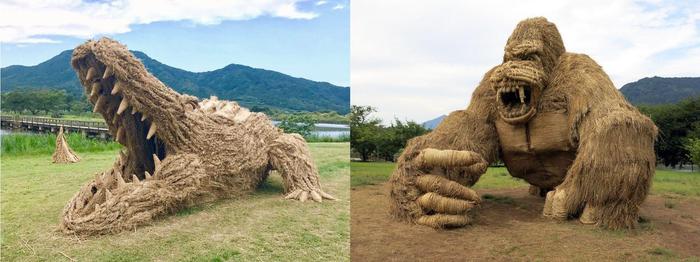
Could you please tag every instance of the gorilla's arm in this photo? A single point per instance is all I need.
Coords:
(615, 162)
(418, 189)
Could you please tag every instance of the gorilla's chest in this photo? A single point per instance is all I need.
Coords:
(538, 151)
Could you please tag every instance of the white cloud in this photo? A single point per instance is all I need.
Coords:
(35, 21)
(421, 61)
(321, 3)
(338, 7)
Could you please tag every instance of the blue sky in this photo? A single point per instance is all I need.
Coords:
(308, 39)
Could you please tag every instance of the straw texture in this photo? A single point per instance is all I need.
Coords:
(179, 152)
(556, 121)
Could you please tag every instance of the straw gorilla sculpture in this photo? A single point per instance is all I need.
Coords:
(556, 121)
(178, 151)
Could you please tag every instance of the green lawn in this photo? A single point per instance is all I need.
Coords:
(262, 226)
(665, 181)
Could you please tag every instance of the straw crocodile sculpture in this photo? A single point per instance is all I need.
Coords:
(555, 119)
(178, 152)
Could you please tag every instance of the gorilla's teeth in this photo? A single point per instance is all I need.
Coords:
(98, 104)
(117, 87)
(122, 106)
(91, 73)
(151, 131)
(522, 94)
(108, 73)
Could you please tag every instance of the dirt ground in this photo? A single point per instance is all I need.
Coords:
(509, 227)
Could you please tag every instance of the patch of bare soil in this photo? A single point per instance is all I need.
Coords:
(509, 226)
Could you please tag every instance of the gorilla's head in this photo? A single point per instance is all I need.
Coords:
(530, 55)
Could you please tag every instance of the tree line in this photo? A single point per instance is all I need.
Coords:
(59, 102)
(370, 140)
(44, 101)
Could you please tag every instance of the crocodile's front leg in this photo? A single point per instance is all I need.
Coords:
(290, 156)
(113, 202)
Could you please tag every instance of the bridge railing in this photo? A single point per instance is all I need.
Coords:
(56, 122)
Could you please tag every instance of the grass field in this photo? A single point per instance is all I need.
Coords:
(262, 226)
(33, 144)
(665, 181)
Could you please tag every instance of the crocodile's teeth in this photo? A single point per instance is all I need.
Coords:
(108, 73)
(120, 179)
(120, 133)
(91, 73)
(156, 163)
(133, 110)
(95, 90)
(135, 179)
(117, 87)
(147, 175)
(521, 91)
(151, 131)
(143, 117)
(98, 104)
(122, 155)
(122, 106)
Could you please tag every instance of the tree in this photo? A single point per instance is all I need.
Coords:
(298, 123)
(693, 147)
(364, 131)
(393, 139)
(368, 138)
(676, 123)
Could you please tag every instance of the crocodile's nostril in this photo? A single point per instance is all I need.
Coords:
(93, 190)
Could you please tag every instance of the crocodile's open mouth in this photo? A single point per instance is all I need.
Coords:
(515, 101)
(128, 124)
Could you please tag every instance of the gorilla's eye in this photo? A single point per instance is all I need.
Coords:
(529, 57)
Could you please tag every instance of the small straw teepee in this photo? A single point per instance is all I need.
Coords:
(63, 153)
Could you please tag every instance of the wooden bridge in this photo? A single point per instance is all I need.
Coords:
(97, 128)
(47, 124)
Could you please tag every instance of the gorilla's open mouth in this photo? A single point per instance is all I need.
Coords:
(514, 101)
(127, 120)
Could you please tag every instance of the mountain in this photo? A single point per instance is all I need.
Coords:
(251, 87)
(661, 90)
(433, 123)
